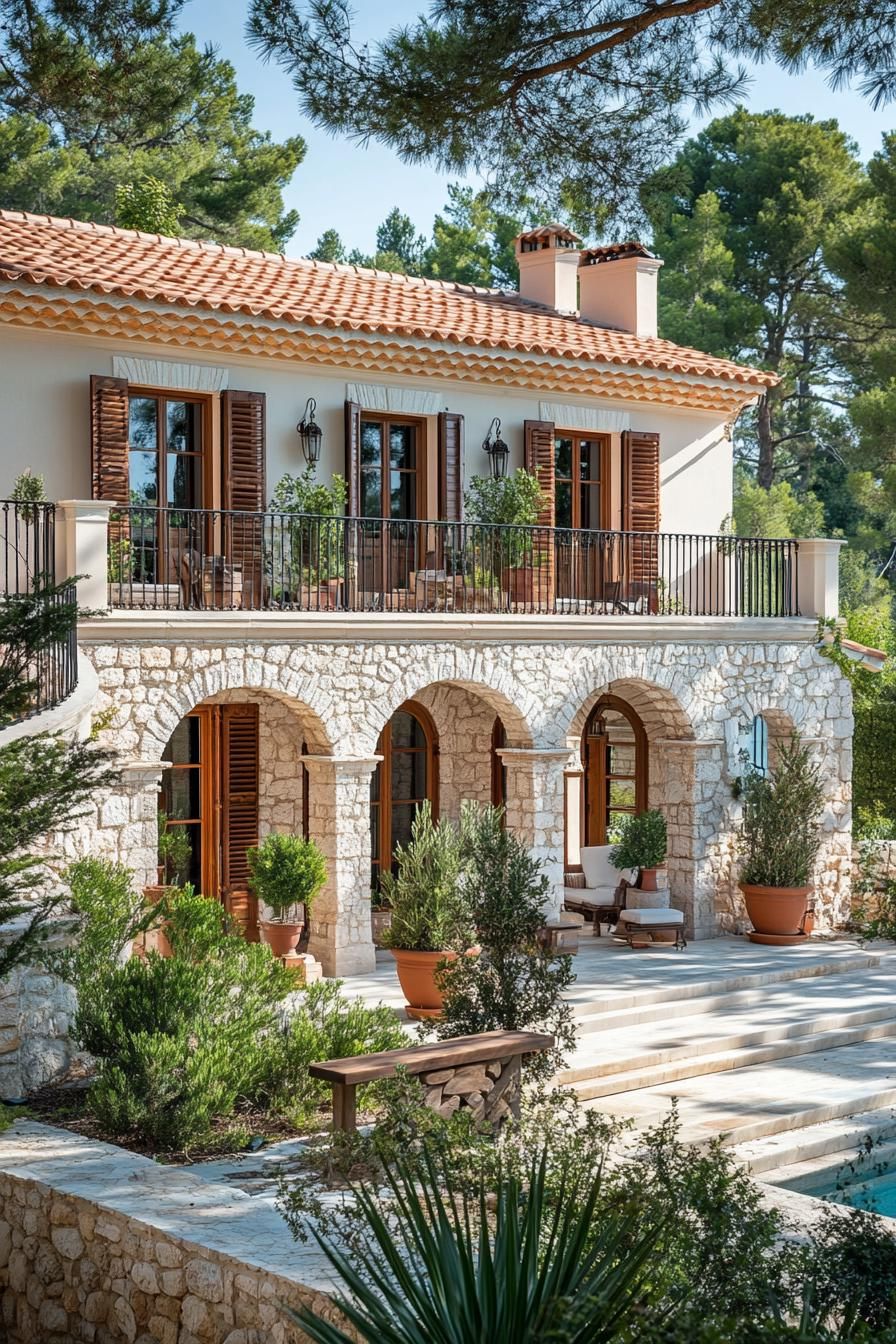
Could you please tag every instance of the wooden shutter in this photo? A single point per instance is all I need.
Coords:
(243, 489)
(539, 457)
(641, 513)
(109, 438)
(353, 458)
(451, 467)
(239, 807)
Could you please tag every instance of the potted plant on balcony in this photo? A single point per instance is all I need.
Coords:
(506, 509)
(286, 873)
(431, 921)
(780, 839)
(311, 538)
(641, 844)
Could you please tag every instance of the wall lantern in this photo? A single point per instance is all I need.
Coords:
(310, 434)
(497, 450)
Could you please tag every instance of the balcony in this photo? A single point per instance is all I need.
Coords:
(28, 583)
(213, 560)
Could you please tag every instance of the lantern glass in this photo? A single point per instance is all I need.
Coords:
(310, 434)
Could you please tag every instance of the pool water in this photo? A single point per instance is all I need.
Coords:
(866, 1181)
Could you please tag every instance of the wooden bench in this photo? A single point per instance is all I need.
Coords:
(445, 1067)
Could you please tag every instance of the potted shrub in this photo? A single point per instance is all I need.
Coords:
(505, 508)
(431, 921)
(286, 872)
(380, 918)
(642, 845)
(780, 839)
(175, 853)
(312, 542)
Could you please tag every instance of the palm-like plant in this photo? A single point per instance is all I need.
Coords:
(512, 1260)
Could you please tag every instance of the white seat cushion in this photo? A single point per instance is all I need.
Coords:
(592, 896)
(598, 870)
(648, 917)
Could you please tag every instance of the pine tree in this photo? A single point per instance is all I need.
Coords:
(47, 781)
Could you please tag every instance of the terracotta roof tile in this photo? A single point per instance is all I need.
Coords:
(65, 253)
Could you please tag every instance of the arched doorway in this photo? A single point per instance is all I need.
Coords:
(406, 777)
(615, 760)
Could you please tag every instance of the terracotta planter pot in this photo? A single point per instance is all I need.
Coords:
(379, 922)
(647, 879)
(417, 977)
(154, 940)
(777, 911)
(281, 938)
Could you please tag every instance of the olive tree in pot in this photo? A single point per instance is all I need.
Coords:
(286, 873)
(780, 839)
(642, 845)
(431, 920)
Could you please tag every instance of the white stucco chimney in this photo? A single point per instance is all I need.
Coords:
(617, 287)
(548, 259)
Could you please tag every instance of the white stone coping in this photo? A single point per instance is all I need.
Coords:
(196, 628)
(69, 716)
(203, 1213)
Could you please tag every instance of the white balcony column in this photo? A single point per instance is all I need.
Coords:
(818, 581)
(82, 547)
(535, 808)
(339, 820)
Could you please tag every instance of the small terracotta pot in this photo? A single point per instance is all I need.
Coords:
(417, 977)
(647, 879)
(154, 940)
(776, 910)
(281, 938)
(379, 922)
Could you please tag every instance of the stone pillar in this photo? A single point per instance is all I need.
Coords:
(685, 784)
(82, 542)
(818, 582)
(339, 820)
(535, 798)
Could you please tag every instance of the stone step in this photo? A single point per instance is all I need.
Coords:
(730, 1059)
(749, 1019)
(681, 997)
(845, 1135)
(852, 1167)
(768, 1098)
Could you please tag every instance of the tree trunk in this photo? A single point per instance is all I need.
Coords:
(765, 472)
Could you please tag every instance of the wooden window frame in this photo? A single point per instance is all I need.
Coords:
(604, 446)
(419, 425)
(209, 767)
(595, 788)
(383, 773)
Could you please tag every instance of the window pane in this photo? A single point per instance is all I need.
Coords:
(622, 759)
(183, 745)
(402, 819)
(589, 460)
(563, 504)
(184, 481)
(402, 447)
(622, 793)
(183, 426)
(563, 457)
(406, 731)
(371, 494)
(143, 478)
(590, 506)
(371, 444)
(375, 783)
(375, 831)
(143, 418)
(180, 793)
(402, 494)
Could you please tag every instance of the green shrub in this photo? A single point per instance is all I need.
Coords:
(326, 1026)
(179, 1040)
(642, 841)
(175, 852)
(430, 913)
(781, 834)
(109, 914)
(286, 871)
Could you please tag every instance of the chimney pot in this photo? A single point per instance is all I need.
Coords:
(548, 258)
(618, 287)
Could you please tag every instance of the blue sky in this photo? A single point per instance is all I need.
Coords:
(344, 186)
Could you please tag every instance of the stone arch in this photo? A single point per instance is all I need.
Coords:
(660, 711)
(217, 679)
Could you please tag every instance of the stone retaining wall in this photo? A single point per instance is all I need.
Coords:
(77, 1267)
(36, 1010)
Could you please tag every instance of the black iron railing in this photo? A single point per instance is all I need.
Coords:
(28, 560)
(194, 559)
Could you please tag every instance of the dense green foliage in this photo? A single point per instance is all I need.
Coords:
(515, 983)
(699, 1255)
(430, 912)
(286, 871)
(109, 913)
(571, 105)
(47, 783)
(781, 829)
(108, 113)
(642, 841)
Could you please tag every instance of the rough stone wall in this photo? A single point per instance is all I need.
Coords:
(36, 1011)
(464, 724)
(72, 1270)
(697, 701)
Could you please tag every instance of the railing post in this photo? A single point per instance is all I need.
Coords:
(82, 547)
(818, 577)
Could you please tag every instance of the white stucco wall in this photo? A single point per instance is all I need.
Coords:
(44, 384)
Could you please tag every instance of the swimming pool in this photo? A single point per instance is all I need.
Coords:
(865, 1180)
